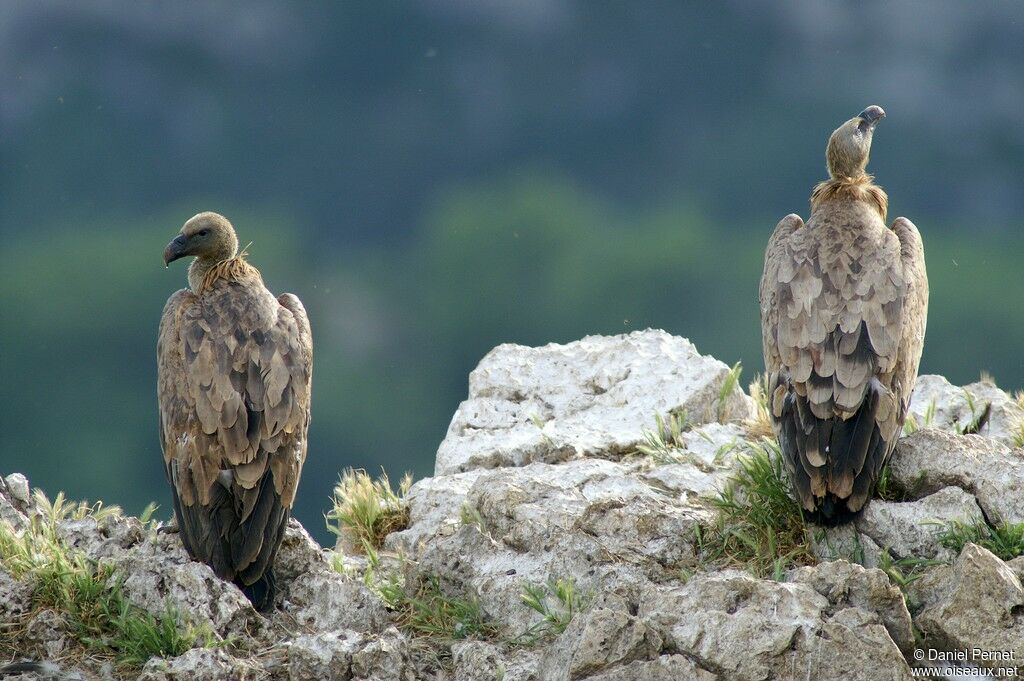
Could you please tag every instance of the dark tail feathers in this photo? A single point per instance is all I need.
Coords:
(832, 511)
(261, 593)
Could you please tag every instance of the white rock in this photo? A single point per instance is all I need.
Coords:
(435, 508)
(323, 601)
(912, 528)
(939, 404)
(324, 655)
(12, 508)
(590, 519)
(17, 484)
(535, 482)
(844, 543)
(597, 639)
(976, 602)
(664, 668)
(157, 571)
(929, 460)
(200, 664)
(385, 658)
(593, 397)
(847, 584)
(749, 629)
(15, 597)
(482, 660)
(705, 464)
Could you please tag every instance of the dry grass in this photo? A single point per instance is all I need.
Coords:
(86, 594)
(760, 426)
(365, 511)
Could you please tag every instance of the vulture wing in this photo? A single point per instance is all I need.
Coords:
(234, 375)
(843, 326)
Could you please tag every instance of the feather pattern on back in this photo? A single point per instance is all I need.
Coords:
(234, 378)
(843, 309)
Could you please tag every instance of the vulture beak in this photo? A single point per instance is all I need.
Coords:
(175, 249)
(871, 115)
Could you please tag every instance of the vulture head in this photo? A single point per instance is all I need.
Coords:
(850, 144)
(207, 236)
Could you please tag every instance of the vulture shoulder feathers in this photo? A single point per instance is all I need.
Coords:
(234, 374)
(844, 301)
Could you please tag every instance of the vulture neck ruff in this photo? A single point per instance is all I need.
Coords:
(203, 274)
(861, 188)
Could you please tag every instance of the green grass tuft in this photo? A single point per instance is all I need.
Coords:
(730, 385)
(470, 516)
(665, 443)
(979, 416)
(904, 572)
(888, 488)
(88, 593)
(425, 610)
(759, 526)
(1004, 540)
(1018, 436)
(557, 602)
(910, 424)
(365, 511)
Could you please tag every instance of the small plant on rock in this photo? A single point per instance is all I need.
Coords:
(1003, 539)
(557, 602)
(759, 526)
(89, 594)
(904, 572)
(910, 424)
(979, 416)
(1018, 435)
(365, 511)
(760, 426)
(470, 516)
(665, 443)
(426, 610)
(730, 385)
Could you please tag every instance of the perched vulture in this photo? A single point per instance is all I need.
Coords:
(843, 306)
(234, 369)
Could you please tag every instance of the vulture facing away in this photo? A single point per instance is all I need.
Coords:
(234, 371)
(844, 300)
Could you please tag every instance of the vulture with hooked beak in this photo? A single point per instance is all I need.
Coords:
(844, 300)
(234, 370)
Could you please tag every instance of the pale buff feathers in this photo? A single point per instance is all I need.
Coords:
(860, 189)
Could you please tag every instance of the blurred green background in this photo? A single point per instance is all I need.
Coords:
(434, 178)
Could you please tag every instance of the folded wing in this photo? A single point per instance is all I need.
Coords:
(234, 390)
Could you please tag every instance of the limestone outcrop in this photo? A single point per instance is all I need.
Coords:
(569, 525)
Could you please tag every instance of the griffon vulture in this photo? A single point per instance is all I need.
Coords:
(234, 370)
(844, 301)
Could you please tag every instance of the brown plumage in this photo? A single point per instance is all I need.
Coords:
(234, 370)
(844, 300)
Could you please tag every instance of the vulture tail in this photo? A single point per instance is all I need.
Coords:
(261, 592)
(854, 450)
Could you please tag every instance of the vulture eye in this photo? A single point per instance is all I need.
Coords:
(202, 232)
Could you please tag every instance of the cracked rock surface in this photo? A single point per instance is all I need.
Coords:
(539, 481)
(590, 398)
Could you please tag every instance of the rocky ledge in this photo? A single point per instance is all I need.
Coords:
(567, 534)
